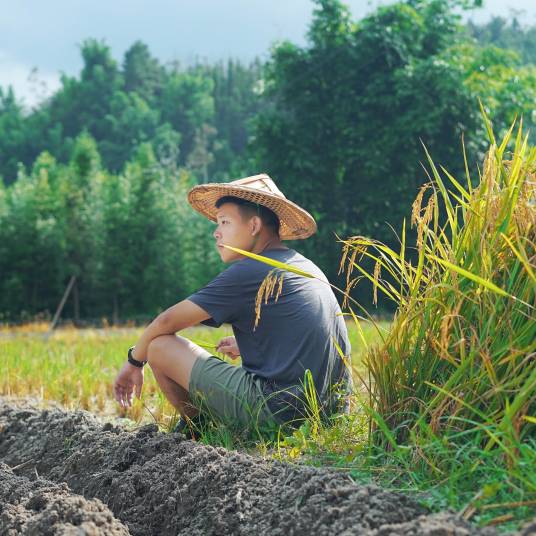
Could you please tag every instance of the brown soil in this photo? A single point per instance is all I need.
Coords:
(36, 506)
(157, 483)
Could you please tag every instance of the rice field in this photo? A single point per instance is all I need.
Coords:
(76, 367)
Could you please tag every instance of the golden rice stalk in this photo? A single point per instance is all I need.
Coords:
(417, 204)
(349, 287)
(377, 272)
(422, 216)
(266, 291)
(358, 248)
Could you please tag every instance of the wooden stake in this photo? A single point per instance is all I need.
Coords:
(60, 306)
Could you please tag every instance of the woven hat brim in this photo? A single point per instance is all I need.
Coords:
(296, 223)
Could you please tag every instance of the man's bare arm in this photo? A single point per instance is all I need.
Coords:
(178, 317)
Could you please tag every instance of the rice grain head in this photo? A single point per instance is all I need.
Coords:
(266, 291)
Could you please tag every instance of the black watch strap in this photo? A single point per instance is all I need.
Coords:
(133, 361)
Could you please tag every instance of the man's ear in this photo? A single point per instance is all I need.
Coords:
(256, 224)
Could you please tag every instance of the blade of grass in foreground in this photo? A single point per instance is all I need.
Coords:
(271, 262)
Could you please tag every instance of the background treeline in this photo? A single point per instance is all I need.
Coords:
(95, 178)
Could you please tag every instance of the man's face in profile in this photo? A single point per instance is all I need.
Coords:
(232, 230)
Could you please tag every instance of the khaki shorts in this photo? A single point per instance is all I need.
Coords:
(230, 394)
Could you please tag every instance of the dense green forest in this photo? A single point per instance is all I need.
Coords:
(94, 179)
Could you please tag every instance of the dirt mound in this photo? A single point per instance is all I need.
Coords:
(159, 483)
(36, 506)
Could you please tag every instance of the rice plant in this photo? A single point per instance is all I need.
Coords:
(461, 353)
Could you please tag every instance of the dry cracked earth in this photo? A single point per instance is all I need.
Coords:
(69, 473)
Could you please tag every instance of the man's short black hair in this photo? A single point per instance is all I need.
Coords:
(248, 209)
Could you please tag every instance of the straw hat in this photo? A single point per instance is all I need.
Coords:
(295, 221)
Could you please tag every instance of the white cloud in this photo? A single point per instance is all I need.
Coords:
(30, 85)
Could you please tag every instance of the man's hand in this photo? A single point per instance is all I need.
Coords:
(128, 380)
(228, 346)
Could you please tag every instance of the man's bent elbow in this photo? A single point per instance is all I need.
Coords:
(181, 316)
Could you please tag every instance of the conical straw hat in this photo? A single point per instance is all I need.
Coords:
(295, 221)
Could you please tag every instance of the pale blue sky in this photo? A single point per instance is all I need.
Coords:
(46, 35)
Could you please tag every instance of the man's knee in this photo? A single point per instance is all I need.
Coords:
(161, 346)
(157, 348)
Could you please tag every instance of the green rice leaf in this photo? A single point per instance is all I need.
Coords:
(521, 258)
(487, 122)
(375, 283)
(473, 277)
(359, 329)
(494, 437)
(448, 204)
(467, 174)
(458, 186)
(506, 139)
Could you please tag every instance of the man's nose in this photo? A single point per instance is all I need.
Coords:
(216, 233)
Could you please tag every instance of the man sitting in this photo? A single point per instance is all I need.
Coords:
(288, 351)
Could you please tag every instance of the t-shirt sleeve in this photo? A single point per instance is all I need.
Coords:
(221, 298)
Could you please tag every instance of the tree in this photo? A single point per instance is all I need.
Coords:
(186, 104)
(131, 121)
(31, 241)
(506, 34)
(338, 123)
(142, 73)
(84, 104)
(12, 135)
(236, 103)
(204, 110)
(502, 82)
(201, 155)
(78, 187)
(349, 111)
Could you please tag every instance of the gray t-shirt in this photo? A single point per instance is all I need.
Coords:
(294, 334)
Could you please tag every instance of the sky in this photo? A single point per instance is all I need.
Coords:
(39, 40)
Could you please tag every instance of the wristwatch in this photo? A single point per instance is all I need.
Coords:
(133, 361)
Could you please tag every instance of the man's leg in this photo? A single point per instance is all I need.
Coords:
(171, 359)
